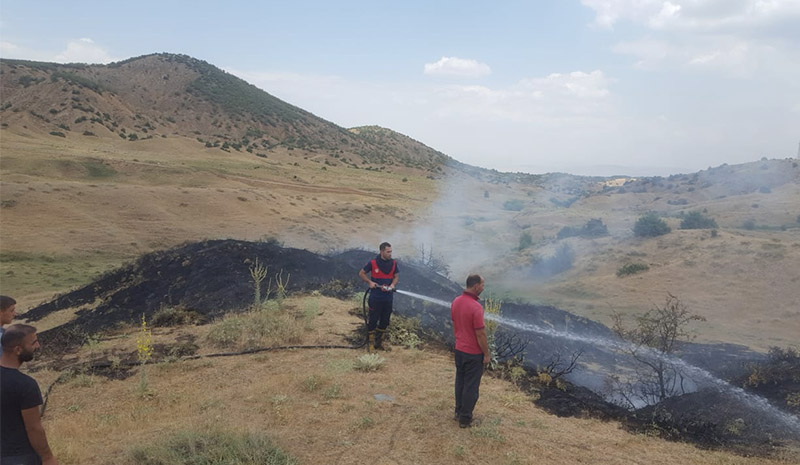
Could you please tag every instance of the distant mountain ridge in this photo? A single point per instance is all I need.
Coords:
(168, 94)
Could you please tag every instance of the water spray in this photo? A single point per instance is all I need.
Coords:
(790, 421)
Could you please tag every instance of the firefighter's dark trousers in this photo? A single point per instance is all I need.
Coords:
(379, 314)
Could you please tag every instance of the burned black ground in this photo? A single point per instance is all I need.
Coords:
(208, 279)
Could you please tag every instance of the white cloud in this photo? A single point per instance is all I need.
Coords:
(579, 84)
(694, 15)
(77, 51)
(452, 66)
(84, 51)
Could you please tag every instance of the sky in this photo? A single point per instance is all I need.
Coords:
(590, 87)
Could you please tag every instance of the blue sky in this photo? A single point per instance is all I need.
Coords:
(583, 86)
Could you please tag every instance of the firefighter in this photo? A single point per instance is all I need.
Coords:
(382, 281)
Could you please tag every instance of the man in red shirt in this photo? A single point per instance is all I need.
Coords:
(472, 348)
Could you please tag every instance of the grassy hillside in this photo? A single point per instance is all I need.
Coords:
(316, 405)
(103, 163)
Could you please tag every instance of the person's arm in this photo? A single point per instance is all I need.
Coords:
(36, 435)
(363, 275)
(394, 281)
(483, 342)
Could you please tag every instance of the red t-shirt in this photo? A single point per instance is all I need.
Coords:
(467, 315)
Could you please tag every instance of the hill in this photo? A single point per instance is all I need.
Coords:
(101, 164)
(166, 94)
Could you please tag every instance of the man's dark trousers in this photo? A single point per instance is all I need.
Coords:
(469, 369)
(379, 313)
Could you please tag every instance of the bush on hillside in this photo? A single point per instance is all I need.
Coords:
(513, 205)
(592, 228)
(631, 268)
(559, 262)
(696, 220)
(650, 225)
(525, 240)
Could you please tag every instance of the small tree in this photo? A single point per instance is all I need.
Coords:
(652, 342)
(432, 261)
(697, 220)
(650, 225)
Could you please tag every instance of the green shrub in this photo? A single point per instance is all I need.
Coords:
(696, 220)
(513, 205)
(405, 332)
(592, 228)
(369, 362)
(650, 225)
(525, 240)
(749, 225)
(559, 262)
(209, 448)
(631, 268)
(58, 133)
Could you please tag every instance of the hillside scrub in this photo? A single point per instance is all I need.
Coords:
(559, 262)
(661, 328)
(697, 220)
(209, 447)
(650, 225)
(513, 205)
(632, 268)
(778, 377)
(592, 228)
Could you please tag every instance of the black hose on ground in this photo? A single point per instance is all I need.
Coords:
(365, 312)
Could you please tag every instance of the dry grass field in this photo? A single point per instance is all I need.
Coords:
(319, 408)
(80, 195)
(79, 206)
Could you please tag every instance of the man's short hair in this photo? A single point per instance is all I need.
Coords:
(384, 245)
(6, 301)
(473, 279)
(14, 335)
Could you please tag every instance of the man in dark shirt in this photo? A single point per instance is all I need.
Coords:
(22, 437)
(382, 280)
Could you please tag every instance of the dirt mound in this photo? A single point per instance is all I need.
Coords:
(209, 278)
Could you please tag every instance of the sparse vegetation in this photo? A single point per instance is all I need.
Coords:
(211, 447)
(263, 327)
(513, 205)
(559, 262)
(369, 362)
(697, 220)
(632, 268)
(654, 339)
(592, 228)
(650, 225)
(525, 241)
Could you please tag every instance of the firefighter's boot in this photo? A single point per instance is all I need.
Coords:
(381, 340)
(371, 342)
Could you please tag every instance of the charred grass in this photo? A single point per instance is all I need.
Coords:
(312, 406)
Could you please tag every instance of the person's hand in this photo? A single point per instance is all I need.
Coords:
(486, 360)
(50, 461)
(373, 284)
